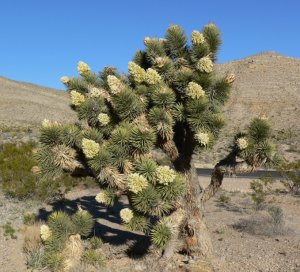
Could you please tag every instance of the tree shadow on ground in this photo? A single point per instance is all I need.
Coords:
(107, 223)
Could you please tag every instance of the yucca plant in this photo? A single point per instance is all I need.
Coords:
(62, 239)
(166, 109)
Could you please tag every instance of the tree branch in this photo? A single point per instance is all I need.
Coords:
(230, 165)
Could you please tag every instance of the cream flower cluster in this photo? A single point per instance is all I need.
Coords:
(165, 174)
(96, 92)
(126, 215)
(136, 183)
(101, 197)
(205, 65)
(65, 79)
(90, 148)
(161, 61)
(197, 37)
(147, 40)
(152, 77)
(115, 84)
(138, 73)
(263, 117)
(242, 143)
(202, 138)
(194, 90)
(230, 78)
(45, 232)
(47, 123)
(103, 119)
(83, 68)
(77, 98)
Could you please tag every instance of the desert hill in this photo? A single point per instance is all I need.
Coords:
(26, 103)
(267, 83)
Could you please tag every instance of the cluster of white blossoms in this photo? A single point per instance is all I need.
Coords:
(165, 174)
(101, 197)
(152, 77)
(90, 148)
(263, 117)
(161, 61)
(45, 232)
(136, 183)
(115, 84)
(96, 92)
(103, 119)
(77, 98)
(48, 124)
(197, 37)
(147, 40)
(138, 73)
(83, 68)
(202, 137)
(242, 143)
(65, 79)
(230, 78)
(194, 90)
(205, 64)
(126, 215)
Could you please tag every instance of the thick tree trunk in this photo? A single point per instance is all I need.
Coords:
(194, 237)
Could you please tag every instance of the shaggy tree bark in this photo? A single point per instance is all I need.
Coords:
(194, 237)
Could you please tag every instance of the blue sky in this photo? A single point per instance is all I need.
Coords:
(42, 40)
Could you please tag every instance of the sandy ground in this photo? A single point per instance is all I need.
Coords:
(234, 250)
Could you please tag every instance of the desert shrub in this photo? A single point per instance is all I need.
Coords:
(19, 180)
(224, 198)
(258, 194)
(268, 223)
(277, 215)
(260, 189)
(29, 218)
(9, 230)
(16, 162)
(290, 173)
(93, 257)
(95, 242)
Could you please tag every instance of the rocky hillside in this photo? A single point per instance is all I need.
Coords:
(28, 103)
(267, 83)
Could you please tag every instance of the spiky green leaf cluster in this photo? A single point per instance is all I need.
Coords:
(255, 145)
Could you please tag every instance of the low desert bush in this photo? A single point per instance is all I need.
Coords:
(260, 189)
(19, 176)
(290, 173)
(9, 231)
(29, 219)
(224, 198)
(94, 258)
(268, 223)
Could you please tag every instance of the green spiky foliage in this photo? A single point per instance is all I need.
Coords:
(255, 145)
(170, 102)
(59, 228)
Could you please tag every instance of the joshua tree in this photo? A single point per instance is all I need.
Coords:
(138, 133)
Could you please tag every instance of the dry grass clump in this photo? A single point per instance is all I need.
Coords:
(32, 238)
